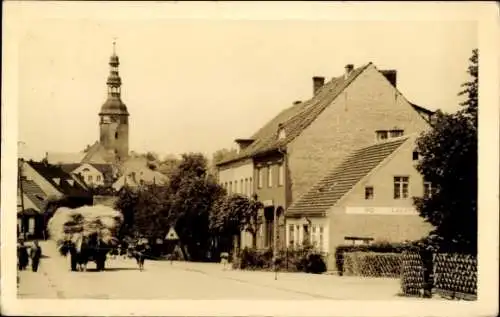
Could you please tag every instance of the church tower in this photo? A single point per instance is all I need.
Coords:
(114, 130)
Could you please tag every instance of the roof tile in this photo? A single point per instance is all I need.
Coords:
(343, 178)
(296, 118)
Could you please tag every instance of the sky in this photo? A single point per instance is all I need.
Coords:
(195, 85)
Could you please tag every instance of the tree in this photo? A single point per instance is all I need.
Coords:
(219, 156)
(193, 192)
(448, 160)
(145, 210)
(232, 214)
(168, 165)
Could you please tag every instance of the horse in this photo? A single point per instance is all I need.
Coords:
(139, 253)
(81, 253)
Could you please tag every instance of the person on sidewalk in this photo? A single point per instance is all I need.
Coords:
(22, 256)
(36, 254)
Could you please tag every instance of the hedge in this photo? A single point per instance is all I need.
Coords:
(372, 264)
(290, 260)
(379, 247)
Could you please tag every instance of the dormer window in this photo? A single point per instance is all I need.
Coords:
(396, 133)
(382, 135)
(71, 182)
(281, 132)
(57, 181)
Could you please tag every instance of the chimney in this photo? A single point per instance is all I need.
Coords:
(318, 82)
(391, 76)
(348, 69)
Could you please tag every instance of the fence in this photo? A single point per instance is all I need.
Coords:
(449, 275)
(455, 276)
(371, 264)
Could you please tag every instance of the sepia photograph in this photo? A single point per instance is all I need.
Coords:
(182, 153)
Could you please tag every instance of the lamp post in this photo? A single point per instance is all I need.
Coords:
(275, 242)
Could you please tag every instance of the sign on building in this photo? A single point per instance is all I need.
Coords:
(392, 211)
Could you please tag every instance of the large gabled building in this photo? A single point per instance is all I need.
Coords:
(367, 198)
(290, 153)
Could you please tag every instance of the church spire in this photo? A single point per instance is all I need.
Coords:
(114, 81)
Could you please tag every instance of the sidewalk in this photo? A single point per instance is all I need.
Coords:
(322, 286)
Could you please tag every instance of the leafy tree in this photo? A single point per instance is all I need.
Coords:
(193, 193)
(448, 155)
(145, 210)
(168, 165)
(232, 214)
(219, 156)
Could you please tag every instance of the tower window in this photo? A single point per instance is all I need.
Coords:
(116, 135)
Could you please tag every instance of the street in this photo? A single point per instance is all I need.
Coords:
(186, 280)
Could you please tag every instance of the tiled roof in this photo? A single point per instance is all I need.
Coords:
(34, 193)
(67, 184)
(106, 169)
(296, 118)
(68, 168)
(64, 158)
(95, 154)
(338, 182)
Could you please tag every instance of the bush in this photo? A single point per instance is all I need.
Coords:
(291, 260)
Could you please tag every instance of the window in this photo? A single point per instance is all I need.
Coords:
(89, 178)
(313, 236)
(396, 133)
(116, 135)
(427, 189)
(321, 248)
(415, 155)
(291, 235)
(382, 135)
(242, 188)
(250, 186)
(281, 175)
(235, 187)
(401, 187)
(230, 187)
(98, 178)
(281, 134)
(358, 240)
(261, 177)
(369, 192)
(306, 238)
(269, 176)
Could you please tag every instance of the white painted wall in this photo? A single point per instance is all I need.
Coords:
(91, 175)
(235, 175)
(298, 232)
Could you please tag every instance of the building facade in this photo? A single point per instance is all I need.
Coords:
(367, 198)
(297, 147)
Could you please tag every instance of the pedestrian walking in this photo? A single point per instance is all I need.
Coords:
(22, 256)
(140, 251)
(36, 255)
